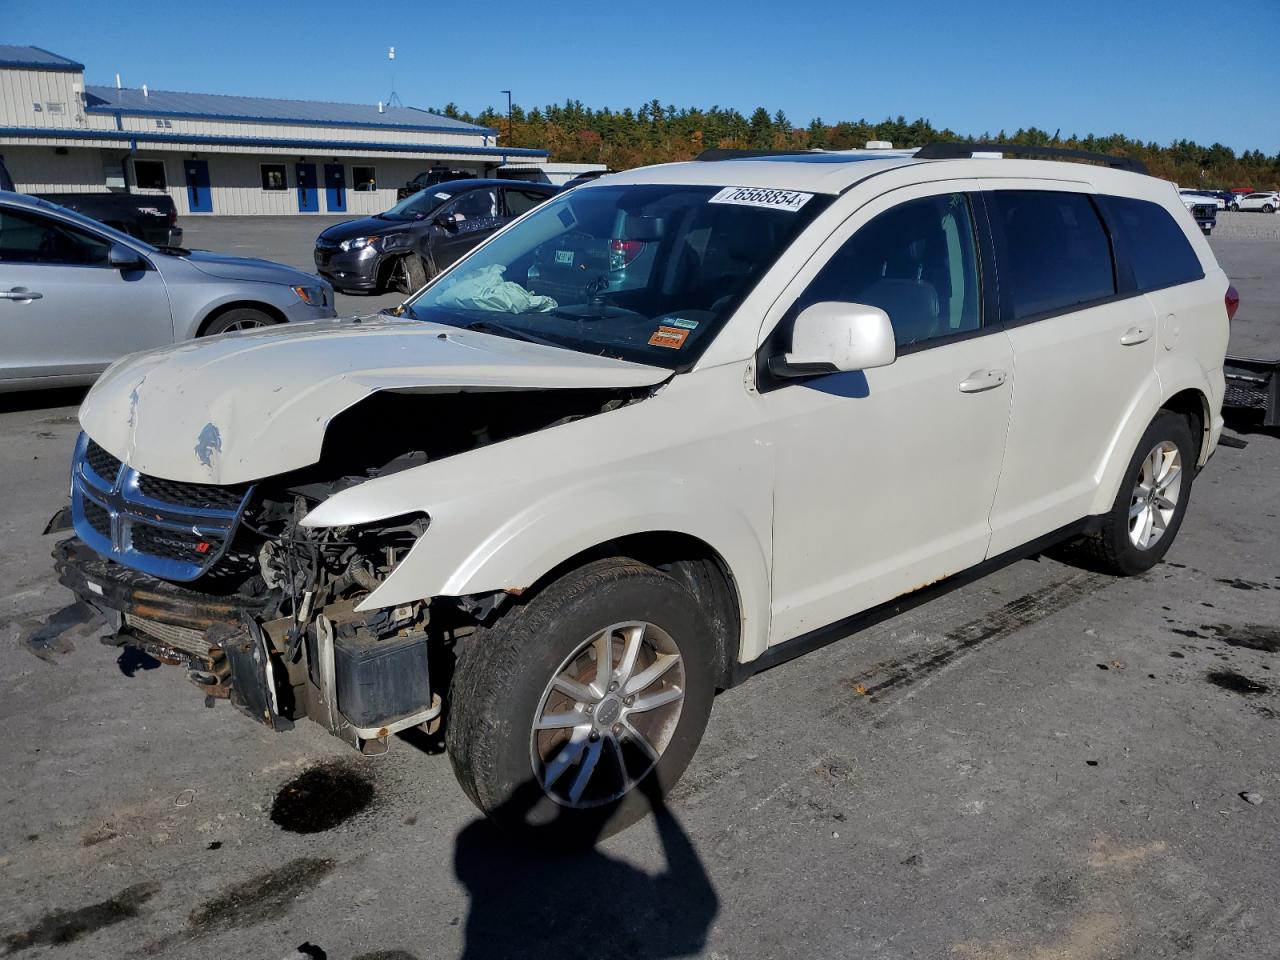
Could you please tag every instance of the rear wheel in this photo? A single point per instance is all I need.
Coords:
(1268, 208)
(241, 318)
(1152, 501)
(573, 714)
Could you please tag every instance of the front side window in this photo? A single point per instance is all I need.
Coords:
(1155, 246)
(149, 174)
(473, 205)
(646, 272)
(366, 178)
(1057, 255)
(917, 262)
(273, 177)
(31, 238)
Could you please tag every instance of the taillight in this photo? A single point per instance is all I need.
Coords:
(622, 252)
(1233, 302)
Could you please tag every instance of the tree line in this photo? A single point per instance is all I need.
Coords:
(654, 133)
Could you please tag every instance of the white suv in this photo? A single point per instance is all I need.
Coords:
(671, 428)
(1266, 202)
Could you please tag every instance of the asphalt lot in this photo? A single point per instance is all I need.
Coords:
(1049, 765)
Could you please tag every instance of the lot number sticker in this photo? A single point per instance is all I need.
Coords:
(791, 200)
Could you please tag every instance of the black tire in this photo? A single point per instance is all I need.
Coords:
(1268, 208)
(409, 274)
(1235, 208)
(1112, 549)
(240, 318)
(502, 675)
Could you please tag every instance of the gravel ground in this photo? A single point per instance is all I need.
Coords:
(1247, 226)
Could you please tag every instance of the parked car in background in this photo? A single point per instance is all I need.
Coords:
(1265, 202)
(1210, 196)
(422, 234)
(587, 177)
(1204, 209)
(666, 431)
(152, 217)
(75, 294)
(429, 178)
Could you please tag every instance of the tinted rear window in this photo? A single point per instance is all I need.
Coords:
(1154, 244)
(1057, 254)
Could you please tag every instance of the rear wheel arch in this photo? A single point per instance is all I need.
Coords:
(1194, 405)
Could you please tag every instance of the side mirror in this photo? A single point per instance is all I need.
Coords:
(837, 338)
(120, 257)
(448, 223)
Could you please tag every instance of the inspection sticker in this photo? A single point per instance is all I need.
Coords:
(670, 337)
(565, 257)
(442, 196)
(791, 200)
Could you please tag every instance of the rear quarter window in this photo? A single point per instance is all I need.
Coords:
(1155, 247)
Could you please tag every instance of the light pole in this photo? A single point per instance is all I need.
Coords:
(508, 93)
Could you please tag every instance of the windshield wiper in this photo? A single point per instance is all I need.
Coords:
(502, 330)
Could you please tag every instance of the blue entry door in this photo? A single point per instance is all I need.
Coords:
(335, 187)
(199, 196)
(308, 195)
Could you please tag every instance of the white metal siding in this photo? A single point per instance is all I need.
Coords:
(20, 90)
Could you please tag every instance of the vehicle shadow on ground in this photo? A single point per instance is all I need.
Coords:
(41, 399)
(530, 901)
(1248, 423)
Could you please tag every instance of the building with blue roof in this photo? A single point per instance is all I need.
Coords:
(222, 154)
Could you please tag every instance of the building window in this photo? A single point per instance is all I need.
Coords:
(366, 178)
(273, 177)
(55, 107)
(149, 174)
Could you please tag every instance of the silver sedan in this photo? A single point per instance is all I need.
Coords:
(75, 295)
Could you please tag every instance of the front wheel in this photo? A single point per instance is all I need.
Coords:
(572, 715)
(409, 274)
(241, 318)
(1152, 501)
(1235, 207)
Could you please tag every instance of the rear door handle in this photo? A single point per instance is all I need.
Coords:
(981, 380)
(20, 293)
(1135, 335)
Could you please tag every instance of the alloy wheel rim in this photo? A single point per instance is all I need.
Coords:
(608, 714)
(1155, 496)
(245, 325)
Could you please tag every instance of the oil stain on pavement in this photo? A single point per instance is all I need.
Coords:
(59, 927)
(322, 797)
(1237, 683)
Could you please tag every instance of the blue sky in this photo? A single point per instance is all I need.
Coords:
(1157, 71)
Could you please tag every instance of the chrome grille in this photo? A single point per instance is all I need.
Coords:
(177, 531)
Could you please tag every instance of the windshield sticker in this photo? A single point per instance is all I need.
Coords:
(682, 322)
(565, 257)
(672, 338)
(789, 200)
(442, 196)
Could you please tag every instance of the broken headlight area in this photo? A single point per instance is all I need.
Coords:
(261, 610)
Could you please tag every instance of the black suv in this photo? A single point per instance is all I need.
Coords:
(422, 234)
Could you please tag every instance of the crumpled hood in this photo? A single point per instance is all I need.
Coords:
(245, 406)
(369, 227)
(226, 267)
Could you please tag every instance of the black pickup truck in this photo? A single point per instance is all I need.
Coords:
(148, 216)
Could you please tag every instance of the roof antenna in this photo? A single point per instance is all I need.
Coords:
(394, 99)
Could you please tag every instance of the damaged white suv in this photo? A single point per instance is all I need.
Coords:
(666, 430)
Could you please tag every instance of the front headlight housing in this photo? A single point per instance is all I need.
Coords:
(313, 296)
(357, 243)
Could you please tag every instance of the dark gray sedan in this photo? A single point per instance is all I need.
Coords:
(422, 234)
(75, 294)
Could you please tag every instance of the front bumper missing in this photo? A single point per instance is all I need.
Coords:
(231, 650)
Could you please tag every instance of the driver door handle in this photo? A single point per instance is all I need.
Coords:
(20, 293)
(981, 380)
(1135, 335)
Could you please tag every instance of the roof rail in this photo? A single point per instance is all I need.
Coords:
(725, 153)
(955, 151)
